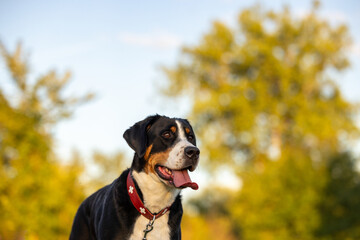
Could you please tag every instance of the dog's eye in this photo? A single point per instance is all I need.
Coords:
(167, 134)
(190, 137)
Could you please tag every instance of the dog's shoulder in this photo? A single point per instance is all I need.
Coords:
(107, 213)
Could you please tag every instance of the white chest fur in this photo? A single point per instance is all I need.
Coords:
(157, 196)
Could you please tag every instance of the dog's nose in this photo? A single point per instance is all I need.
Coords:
(192, 152)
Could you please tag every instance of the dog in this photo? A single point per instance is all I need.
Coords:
(145, 201)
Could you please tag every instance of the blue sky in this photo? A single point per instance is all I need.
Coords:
(116, 48)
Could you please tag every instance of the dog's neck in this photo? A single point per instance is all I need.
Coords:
(156, 194)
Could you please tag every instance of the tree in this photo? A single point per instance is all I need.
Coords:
(264, 103)
(265, 84)
(38, 195)
(340, 205)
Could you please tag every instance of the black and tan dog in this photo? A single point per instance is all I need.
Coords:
(144, 202)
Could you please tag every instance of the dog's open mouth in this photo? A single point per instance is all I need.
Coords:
(178, 178)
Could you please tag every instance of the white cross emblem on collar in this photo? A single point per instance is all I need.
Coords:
(131, 189)
(142, 210)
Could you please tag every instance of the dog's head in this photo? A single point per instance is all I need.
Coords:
(166, 147)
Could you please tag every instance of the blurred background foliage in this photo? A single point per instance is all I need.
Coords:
(264, 105)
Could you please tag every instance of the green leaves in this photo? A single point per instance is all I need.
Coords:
(38, 195)
(265, 105)
(272, 65)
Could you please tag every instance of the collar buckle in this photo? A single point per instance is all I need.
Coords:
(149, 227)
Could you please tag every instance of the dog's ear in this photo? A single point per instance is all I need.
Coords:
(136, 136)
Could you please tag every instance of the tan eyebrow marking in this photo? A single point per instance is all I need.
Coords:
(173, 129)
(187, 130)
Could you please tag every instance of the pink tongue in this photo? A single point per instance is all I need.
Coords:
(181, 178)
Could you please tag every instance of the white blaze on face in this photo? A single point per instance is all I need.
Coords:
(176, 156)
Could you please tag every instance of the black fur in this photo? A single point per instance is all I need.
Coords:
(108, 213)
(136, 135)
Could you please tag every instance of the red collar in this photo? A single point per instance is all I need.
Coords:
(138, 204)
